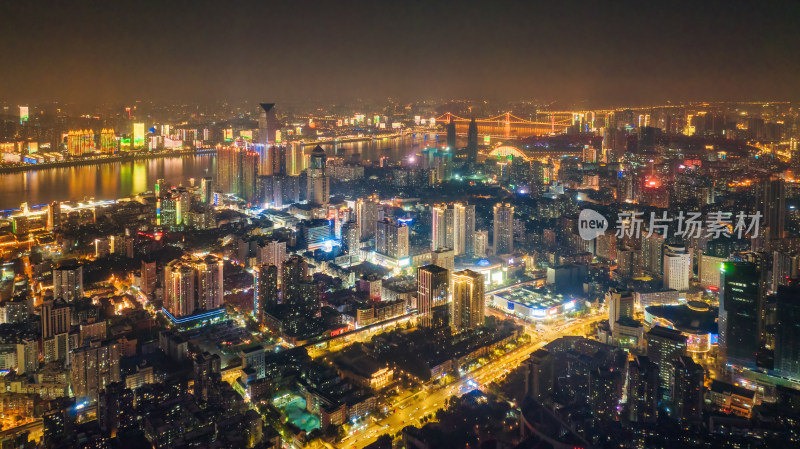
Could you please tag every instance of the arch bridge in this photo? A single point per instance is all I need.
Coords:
(510, 126)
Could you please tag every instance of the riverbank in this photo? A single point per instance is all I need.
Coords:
(104, 160)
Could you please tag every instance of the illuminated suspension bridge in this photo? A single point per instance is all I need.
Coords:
(509, 126)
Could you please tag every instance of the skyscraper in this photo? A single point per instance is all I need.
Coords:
(468, 301)
(368, 213)
(787, 332)
(210, 291)
(295, 270)
(391, 239)
(54, 216)
(739, 313)
(268, 125)
(665, 345)
(677, 267)
(472, 141)
(451, 135)
(687, 390)
(503, 229)
(438, 227)
(642, 390)
(318, 180)
(266, 289)
(539, 375)
(432, 296)
(179, 288)
(148, 275)
(207, 190)
(237, 170)
(774, 208)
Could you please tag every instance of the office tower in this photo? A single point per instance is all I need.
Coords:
(785, 267)
(20, 225)
(94, 366)
(687, 390)
(318, 180)
(468, 301)
(266, 289)
(539, 375)
(503, 229)
(207, 190)
(458, 228)
(160, 189)
(179, 288)
(54, 216)
(391, 239)
(739, 313)
(677, 267)
(774, 208)
(210, 290)
(249, 175)
(620, 306)
(451, 135)
(268, 126)
(472, 141)
(438, 227)
(787, 332)
(148, 275)
(277, 157)
(444, 258)
(642, 390)
(368, 213)
(295, 271)
(653, 253)
(481, 240)
(45, 314)
(432, 296)
(665, 345)
(68, 282)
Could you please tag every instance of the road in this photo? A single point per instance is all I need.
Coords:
(411, 409)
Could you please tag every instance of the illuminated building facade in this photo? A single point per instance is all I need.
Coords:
(503, 229)
(467, 306)
(432, 296)
(108, 141)
(318, 190)
(80, 142)
(138, 141)
(193, 284)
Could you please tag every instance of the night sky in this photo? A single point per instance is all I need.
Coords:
(594, 53)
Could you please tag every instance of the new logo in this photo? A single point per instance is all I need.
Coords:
(591, 224)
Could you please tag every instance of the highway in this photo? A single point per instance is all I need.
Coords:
(409, 410)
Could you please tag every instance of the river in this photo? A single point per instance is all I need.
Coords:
(112, 180)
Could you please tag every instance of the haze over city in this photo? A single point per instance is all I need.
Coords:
(399, 225)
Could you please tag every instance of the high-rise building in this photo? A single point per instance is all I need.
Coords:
(787, 332)
(653, 253)
(481, 242)
(664, 346)
(539, 375)
(391, 239)
(27, 356)
(785, 268)
(207, 190)
(237, 170)
(739, 313)
(472, 141)
(468, 301)
(503, 229)
(708, 268)
(318, 180)
(677, 267)
(94, 366)
(642, 390)
(179, 288)
(68, 282)
(268, 126)
(108, 141)
(687, 390)
(432, 296)
(138, 141)
(148, 275)
(80, 142)
(210, 290)
(774, 208)
(53, 216)
(295, 271)
(451, 135)
(266, 289)
(438, 227)
(368, 213)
